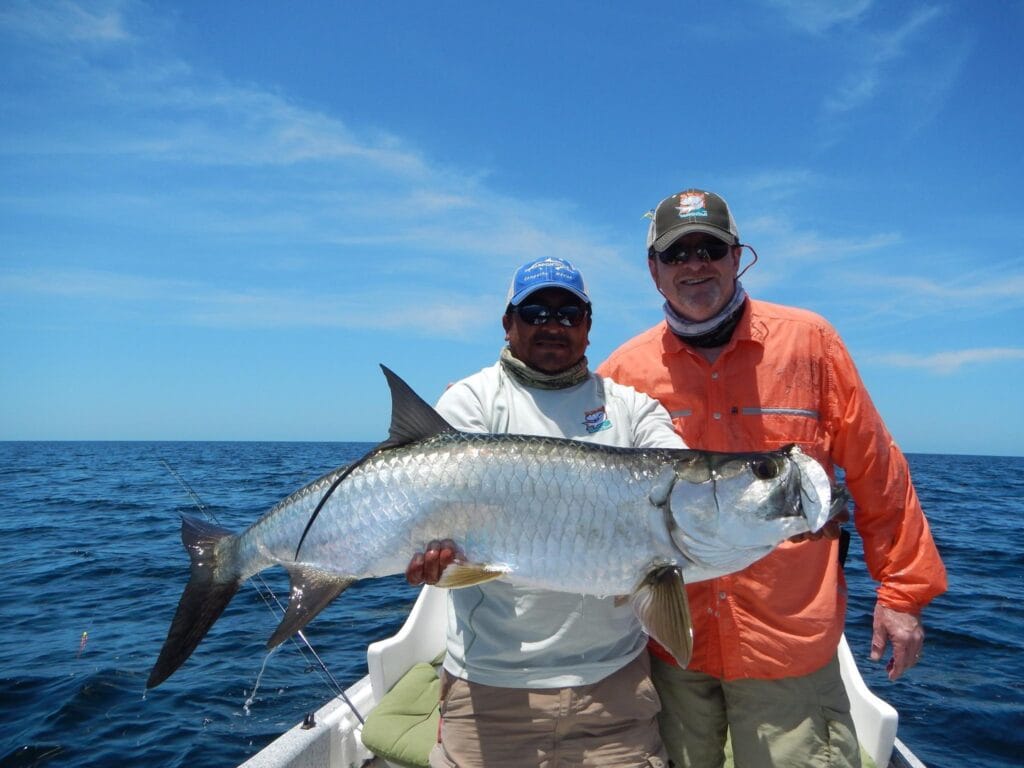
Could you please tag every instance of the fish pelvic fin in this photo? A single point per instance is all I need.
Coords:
(459, 575)
(311, 591)
(209, 590)
(412, 418)
(661, 604)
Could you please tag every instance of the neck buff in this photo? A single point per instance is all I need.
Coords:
(713, 332)
(530, 377)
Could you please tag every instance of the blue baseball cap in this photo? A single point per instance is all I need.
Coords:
(546, 272)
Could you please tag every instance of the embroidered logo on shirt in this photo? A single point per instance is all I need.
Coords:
(596, 421)
(692, 204)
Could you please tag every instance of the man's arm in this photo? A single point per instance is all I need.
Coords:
(898, 547)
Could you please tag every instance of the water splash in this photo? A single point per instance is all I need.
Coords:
(255, 689)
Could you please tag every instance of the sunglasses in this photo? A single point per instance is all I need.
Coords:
(706, 250)
(537, 314)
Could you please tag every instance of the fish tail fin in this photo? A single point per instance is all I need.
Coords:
(210, 588)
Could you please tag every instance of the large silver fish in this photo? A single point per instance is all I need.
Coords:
(543, 512)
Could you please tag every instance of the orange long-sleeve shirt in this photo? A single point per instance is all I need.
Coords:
(786, 377)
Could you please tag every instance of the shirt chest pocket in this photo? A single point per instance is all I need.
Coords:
(774, 426)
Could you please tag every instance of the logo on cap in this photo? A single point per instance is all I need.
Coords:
(546, 272)
(692, 204)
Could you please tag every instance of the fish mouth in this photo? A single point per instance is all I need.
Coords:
(816, 502)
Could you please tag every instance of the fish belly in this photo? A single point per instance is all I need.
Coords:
(572, 519)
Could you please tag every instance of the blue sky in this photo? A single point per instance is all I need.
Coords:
(216, 219)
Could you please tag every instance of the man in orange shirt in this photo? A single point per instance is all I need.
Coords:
(738, 374)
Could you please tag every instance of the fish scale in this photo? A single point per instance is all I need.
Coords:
(540, 512)
(465, 487)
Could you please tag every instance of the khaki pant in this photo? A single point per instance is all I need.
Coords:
(795, 722)
(610, 723)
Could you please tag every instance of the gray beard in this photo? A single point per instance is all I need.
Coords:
(712, 332)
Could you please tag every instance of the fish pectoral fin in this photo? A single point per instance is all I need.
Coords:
(311, 591)
(459, 575)
(661, 604)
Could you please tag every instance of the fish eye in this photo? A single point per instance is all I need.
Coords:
(764, 469)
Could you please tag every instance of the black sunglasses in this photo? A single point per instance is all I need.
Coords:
(705, 250)
(537, 314)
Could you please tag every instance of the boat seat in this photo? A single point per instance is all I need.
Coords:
(402, 728)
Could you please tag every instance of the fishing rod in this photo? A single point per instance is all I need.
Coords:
(267, 595)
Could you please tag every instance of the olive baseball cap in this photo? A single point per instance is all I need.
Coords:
(692, 210)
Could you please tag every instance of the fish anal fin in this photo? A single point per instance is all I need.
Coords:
(661, 604)
(311, 591)
(459, 575)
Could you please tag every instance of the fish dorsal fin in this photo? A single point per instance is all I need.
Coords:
(412, 418)
(661, 604)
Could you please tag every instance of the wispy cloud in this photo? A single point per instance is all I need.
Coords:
(880, 51)
(188, 302)
(252, 170)
(953, 361)
(952, 294)
(778, 184)
(794, 245)
(818, 17)
(64, 21)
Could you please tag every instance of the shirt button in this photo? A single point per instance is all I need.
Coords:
(721, 595)
(717, 415)
(714, 376)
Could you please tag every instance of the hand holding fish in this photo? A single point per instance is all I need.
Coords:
(829, 530)
(427, 566)
(904, 631)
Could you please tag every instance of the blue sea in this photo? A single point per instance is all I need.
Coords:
(89, 540)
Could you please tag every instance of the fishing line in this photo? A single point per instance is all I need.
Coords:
(267, 594)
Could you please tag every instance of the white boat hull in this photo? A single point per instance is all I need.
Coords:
(334, 741)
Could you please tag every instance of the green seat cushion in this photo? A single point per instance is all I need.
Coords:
(403, 727)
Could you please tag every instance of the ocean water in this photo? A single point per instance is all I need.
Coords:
(89, 540)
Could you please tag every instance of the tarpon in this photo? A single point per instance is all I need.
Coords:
(543, 512)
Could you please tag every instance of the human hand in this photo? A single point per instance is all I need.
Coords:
(904, 631)
(427, 566)
(829, 530)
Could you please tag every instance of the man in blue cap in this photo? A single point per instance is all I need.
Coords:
(533, 677)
